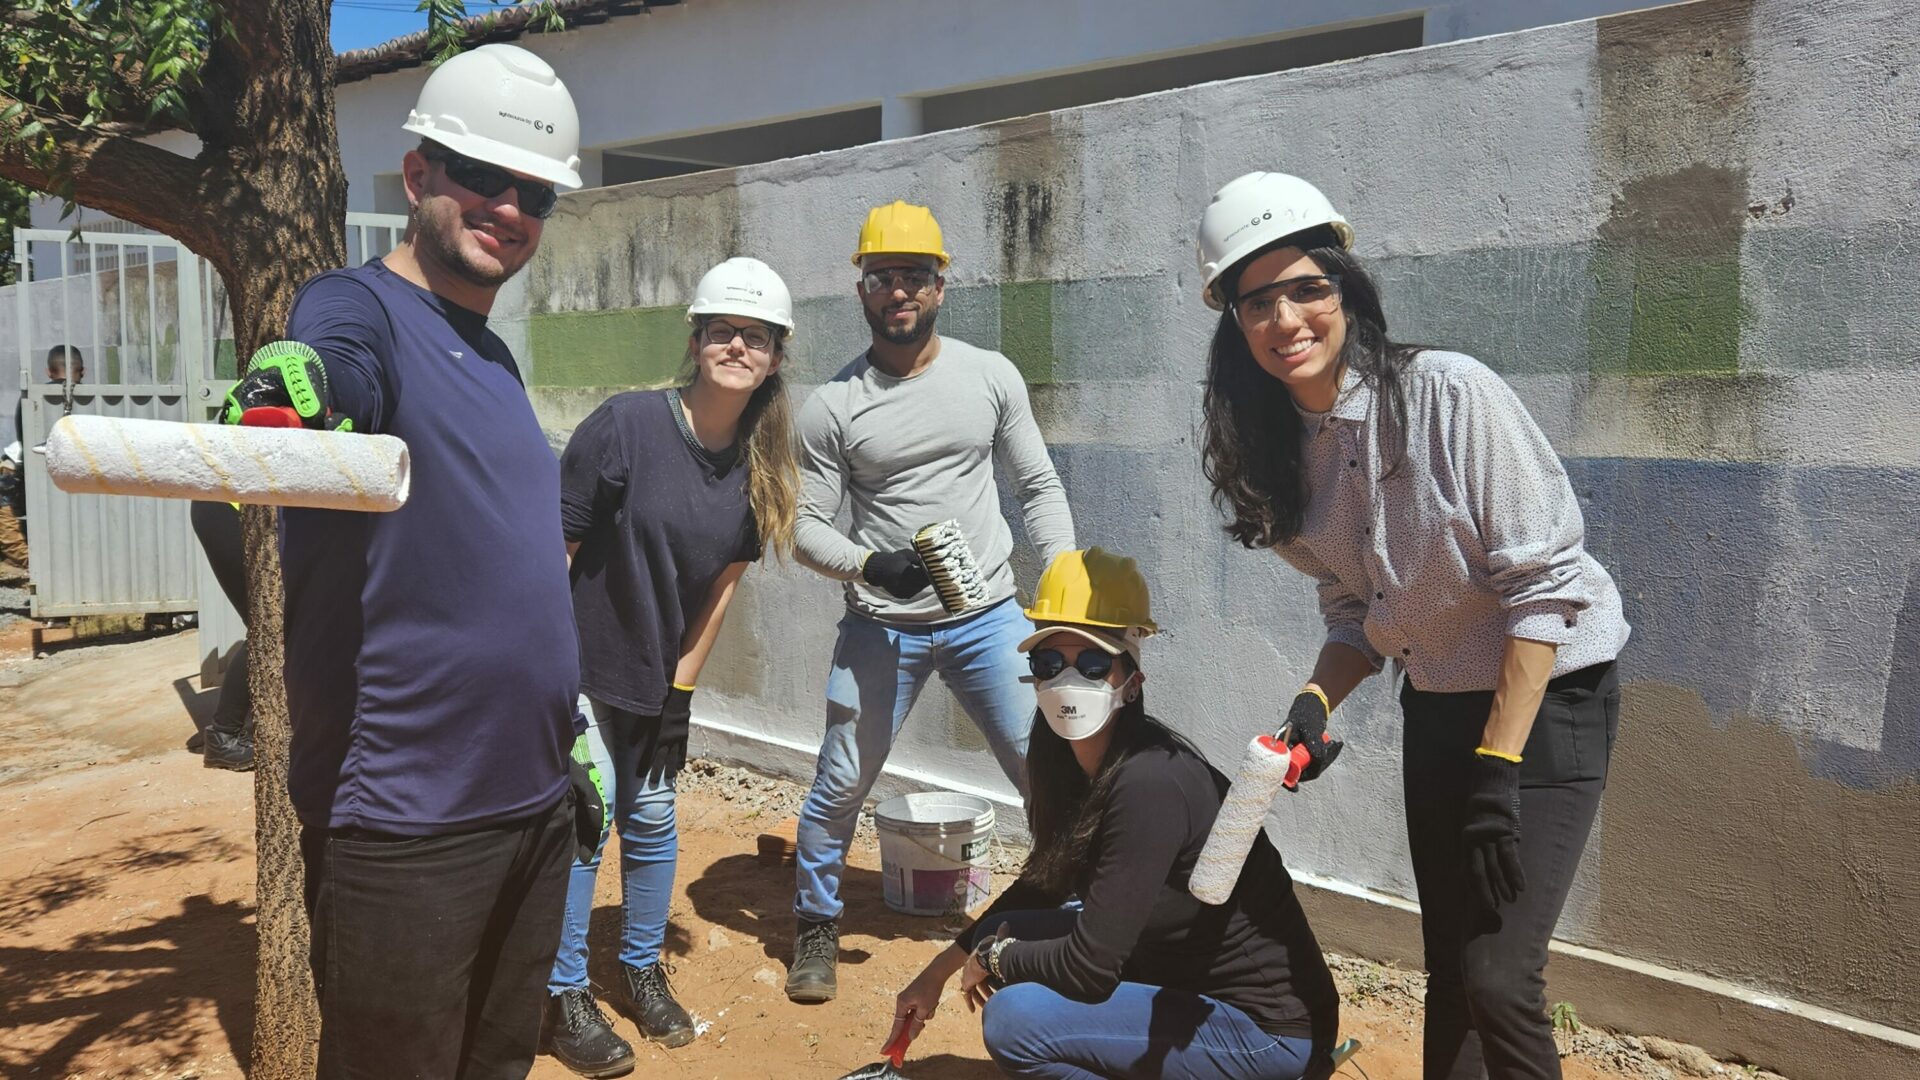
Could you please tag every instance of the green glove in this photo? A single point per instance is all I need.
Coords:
(590, 799)
(288, 378)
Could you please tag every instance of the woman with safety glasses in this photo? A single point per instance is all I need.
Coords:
(666, 497)
(1415, 489)
(1138, 978)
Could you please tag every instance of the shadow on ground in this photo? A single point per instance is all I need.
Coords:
(742, 893)
(136, 980)
(200, 704)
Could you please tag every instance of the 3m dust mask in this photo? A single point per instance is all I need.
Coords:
(1077, 707)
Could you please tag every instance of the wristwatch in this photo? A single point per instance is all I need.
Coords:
(987, 952)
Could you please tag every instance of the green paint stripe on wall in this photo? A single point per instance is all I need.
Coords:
(1026, 328)
(629, 347)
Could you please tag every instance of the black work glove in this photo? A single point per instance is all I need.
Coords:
(900, 573)
(1492, 831)
(290, 377)
(1307, 726)
(589, 802)
(676, 723)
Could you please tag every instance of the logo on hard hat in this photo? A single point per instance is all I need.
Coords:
(536, 124)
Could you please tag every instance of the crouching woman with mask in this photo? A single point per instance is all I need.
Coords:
(1138, 979)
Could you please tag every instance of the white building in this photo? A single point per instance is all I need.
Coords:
(669, 88)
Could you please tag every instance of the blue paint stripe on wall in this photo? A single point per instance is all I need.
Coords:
(1788, 594)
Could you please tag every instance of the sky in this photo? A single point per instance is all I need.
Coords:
(360, 23)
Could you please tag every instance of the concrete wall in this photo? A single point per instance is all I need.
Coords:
(1684, 235)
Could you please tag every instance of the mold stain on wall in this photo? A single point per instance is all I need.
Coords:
(1673, 117)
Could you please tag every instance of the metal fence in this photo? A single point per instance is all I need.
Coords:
(148, 322)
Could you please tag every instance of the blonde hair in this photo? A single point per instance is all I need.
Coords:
(768, 446)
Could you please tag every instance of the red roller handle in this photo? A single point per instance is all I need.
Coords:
(1297, 754)
(896, 1050)
(270, 416)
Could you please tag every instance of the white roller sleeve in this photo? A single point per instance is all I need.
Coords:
(104, 455)
(1242, 814)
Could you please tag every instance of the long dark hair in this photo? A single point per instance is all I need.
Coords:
(1065, 807)
(1251, 450)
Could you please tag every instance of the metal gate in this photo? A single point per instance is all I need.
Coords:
(149, 322)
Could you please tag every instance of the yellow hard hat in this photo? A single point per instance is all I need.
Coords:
(901, 228)
(1093, 587)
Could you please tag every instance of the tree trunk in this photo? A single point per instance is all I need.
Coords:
(264, 201)
(282, 222)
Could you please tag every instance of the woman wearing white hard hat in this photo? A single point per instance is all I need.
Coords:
(1138, 978)
(666, 497)
(1436, 519)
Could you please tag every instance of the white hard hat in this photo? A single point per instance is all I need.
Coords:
(1253, 211)
(502, 105)
(743, 286)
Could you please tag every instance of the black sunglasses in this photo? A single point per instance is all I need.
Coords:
(1048, 663)
(537, 198)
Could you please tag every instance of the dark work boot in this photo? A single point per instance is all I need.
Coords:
(227, 750)
(578, 1035)
(659, 1017)
(816, 949)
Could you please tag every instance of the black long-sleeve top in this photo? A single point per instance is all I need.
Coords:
(1140, 924)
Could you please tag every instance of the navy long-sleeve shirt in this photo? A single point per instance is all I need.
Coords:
(431, 660)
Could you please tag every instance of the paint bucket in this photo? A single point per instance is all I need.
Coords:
(933, 851)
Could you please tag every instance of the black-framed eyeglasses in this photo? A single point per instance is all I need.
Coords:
(1048, 663)
(757, 337)
(537, 197)
(914, 279)
(1311, 294)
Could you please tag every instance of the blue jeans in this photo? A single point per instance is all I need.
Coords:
(1138, 1031)
(649, 849)
(878, 672)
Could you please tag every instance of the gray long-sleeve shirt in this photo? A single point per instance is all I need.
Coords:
(1474, 538)
(907, 453)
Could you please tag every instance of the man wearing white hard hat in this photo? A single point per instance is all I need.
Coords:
(431, 662)
(666, 497)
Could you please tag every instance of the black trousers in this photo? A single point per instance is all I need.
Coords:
(217, 526)
(1486, 988)
(431, 954)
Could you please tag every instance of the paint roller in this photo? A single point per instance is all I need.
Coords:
(1269, 765)
(951, 567)
(267, 458)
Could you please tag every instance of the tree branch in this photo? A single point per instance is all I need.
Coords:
(113, 173)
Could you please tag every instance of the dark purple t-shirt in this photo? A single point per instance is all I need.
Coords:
(658, 518)
(431, 659)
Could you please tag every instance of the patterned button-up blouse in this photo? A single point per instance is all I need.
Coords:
(1475, 536)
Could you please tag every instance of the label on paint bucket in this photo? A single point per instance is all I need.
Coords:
(933, 847)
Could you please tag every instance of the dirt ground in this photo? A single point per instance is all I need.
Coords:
(127, 938)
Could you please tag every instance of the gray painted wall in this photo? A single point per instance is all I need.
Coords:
(1685, 235)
